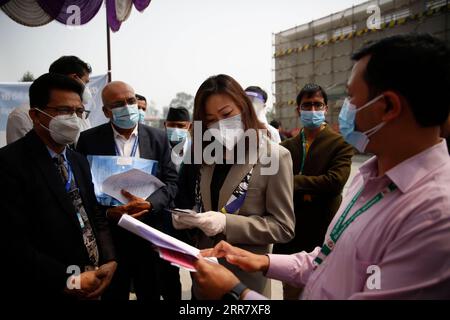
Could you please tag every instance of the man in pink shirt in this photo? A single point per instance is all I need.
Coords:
(390, 239)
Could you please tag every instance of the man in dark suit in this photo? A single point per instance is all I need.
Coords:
(321, 163)
(124, 136)
(57, 243)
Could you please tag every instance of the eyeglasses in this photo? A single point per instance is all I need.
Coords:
(121, 103)
(81, 112)
(308, 106)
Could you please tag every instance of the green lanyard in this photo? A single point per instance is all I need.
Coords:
(304, 150)
(341, 224)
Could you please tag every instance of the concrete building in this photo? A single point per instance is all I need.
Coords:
(319, 51)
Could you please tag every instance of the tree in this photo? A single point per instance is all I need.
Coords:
(183, 99)
(27, 77)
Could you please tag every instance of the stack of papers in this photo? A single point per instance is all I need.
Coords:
(106, 167)
(171, 249)
(135, 181)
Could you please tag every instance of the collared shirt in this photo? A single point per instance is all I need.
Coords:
(178, 157)
(19, 123)
(124, 145)
(397, 249)
(53, 154)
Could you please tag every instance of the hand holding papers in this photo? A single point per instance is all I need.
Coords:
(136, 182)
(104, 167)
(136, 207)
(171, 249)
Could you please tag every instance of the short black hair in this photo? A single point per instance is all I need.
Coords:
(41, 88)
(309, 90)
(139, 97)
(275, 123)
(417, 66)
(70, 64)
(257, 89)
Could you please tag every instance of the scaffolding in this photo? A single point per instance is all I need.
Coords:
(320, 51)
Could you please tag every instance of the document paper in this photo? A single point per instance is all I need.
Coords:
(171, 249)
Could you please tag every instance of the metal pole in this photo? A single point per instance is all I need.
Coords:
(108, 47)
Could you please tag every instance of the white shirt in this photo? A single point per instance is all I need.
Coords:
(178, 158)
(19, 123)
(124, 145)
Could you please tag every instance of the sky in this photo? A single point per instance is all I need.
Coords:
(173, 46)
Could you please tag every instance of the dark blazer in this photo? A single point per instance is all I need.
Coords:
(326, 170)
(40, 227)
(153, 145)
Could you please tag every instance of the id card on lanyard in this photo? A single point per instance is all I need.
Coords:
(124, 160)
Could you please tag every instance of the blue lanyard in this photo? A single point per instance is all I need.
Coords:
(69, 180)
(133, 151)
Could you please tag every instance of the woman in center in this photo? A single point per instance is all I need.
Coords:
(248, 203)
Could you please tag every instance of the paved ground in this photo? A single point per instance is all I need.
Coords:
(277, 290)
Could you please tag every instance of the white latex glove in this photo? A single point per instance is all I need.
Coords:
(210, 222)
(177, 224)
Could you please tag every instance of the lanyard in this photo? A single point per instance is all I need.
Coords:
(69, 180)
(133, 151)
(341, 225)
(238, 196)
(304, 151)
(236, 199)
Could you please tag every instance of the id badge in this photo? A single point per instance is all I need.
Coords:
(124, 161)
(80, 220)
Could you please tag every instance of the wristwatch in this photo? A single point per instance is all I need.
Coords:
(235, 293)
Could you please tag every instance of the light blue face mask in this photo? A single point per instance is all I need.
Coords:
(126, 117)
(176, 135)
(141, 116)
(312, 119)
(359, 140)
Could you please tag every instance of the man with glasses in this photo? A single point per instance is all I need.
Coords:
(57, 242)
(19, 121)
(321, 163)
(124, 136)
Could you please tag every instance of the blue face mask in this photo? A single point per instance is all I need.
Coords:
(141, 116)
(176, 135)
(126, 117)
(359, 140)
(312, 119)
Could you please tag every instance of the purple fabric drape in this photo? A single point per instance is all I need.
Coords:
(62, 12)
(140, 5)
(113, 23)
(26, 12)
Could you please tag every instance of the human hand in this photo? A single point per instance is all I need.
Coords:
(210, 222)
(245, 260)
(136, 207)
(213, 280)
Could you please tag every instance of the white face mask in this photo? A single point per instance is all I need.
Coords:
(87, 95)
(85, 124)
(64, 129)
(228, 131)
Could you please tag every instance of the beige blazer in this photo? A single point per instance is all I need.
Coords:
(266, 216)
